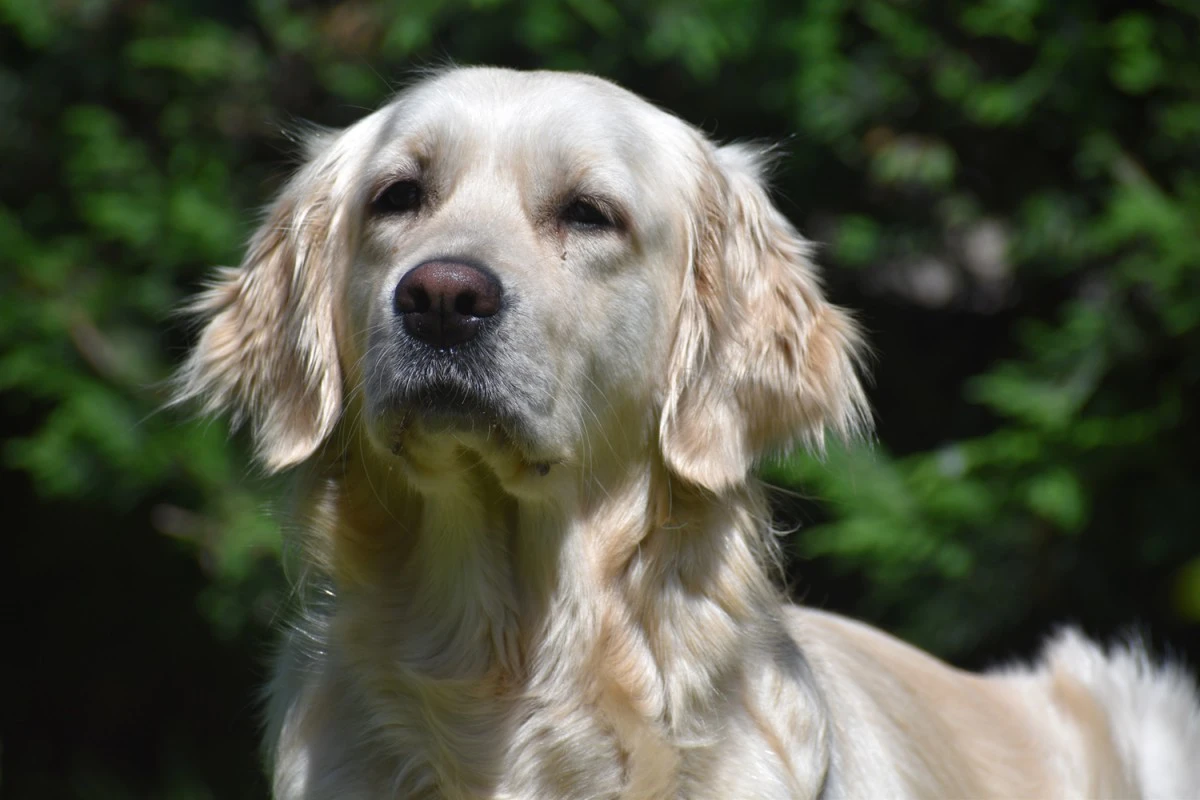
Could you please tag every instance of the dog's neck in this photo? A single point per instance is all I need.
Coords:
(620, 592)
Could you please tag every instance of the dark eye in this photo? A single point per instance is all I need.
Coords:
(399, 198)
(586, 214)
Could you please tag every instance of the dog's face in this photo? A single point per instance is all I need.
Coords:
(513, 278)
(535, 264)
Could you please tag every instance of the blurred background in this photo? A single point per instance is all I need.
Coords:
(1008, 191)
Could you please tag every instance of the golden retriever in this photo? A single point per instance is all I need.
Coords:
(525, 335)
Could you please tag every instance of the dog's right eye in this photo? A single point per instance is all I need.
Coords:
(590, 214)
(399, 198)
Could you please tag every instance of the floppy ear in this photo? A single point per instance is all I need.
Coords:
(267, 351)
(760, 359)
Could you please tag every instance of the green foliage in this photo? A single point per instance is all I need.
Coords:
(1008, 189)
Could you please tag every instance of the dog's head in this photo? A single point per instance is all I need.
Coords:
(538, 263)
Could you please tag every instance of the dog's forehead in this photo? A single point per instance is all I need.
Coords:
(528, 101)
(543, 114)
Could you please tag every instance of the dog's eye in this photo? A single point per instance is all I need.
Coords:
(586, 213)
(399, 198)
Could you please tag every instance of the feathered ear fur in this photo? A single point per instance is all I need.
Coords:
(760, 359)
(267, 352)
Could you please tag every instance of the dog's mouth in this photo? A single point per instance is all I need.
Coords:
(456, 401)
(466, 409)
(423, 405)
(458, 407)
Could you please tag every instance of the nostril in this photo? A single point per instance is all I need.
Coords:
(486, 301)
(465, 304)
(412, 300)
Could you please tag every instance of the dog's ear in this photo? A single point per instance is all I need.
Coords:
(760, 359)
(267, 351)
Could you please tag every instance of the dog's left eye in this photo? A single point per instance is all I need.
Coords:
(398, 198)
(586, 213)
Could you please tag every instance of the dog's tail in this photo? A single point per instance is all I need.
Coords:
(1152, 710)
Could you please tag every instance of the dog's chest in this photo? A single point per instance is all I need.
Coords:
(460, 720)
(491, 739)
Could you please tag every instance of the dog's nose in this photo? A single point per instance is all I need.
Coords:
(443, 303)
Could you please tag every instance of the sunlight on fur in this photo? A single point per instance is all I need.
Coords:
(523, 337)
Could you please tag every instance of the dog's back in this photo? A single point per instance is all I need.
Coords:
(1080, 723)
(1150, 712)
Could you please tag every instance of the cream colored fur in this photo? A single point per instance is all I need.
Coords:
(575, 599)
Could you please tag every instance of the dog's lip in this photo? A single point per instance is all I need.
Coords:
(465, 407)
(486, 430)
(453, 407)
(452, 399)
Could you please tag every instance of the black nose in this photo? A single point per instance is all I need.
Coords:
(443, 303)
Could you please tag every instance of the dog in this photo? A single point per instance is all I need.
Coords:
(522, 337)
